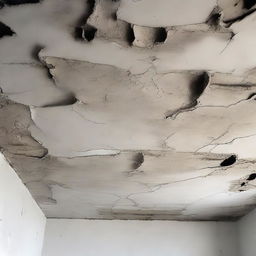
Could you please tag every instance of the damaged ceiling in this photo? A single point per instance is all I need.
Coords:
(131, 109)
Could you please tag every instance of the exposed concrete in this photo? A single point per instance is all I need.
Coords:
(110, 112)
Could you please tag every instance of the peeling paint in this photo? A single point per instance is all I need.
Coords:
(111, 112)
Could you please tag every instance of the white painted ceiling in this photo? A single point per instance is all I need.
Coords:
(131, 109)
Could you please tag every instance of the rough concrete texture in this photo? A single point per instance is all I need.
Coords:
(131, 109)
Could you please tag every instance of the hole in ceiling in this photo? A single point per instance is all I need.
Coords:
(5, 30)
(198, 85)
(161, 35)
(137, 160)
(229, 161)
(89, 32)
(243, 184)
(251, 177)
(85, 33)
(130, 37)
(78, 33)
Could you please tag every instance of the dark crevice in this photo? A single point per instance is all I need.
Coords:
(5, 30)
(78, 33)
(89, 32)
(229, 161)
(176, 112)
(214, 20)
(130, 37)
(243, 184)
(114, 16)
(161, 35)
(251, 96)
(83, 30)
(251, 177)
(232, 35)
(137, 160)
(248, 4)
(197, 87)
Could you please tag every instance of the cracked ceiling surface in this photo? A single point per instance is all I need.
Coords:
(131, 109)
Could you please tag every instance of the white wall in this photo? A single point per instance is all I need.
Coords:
(138, 238)
(21, 221)
(247, 234)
